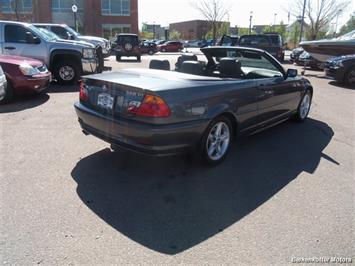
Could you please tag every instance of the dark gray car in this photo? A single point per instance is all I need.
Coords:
(204, 107)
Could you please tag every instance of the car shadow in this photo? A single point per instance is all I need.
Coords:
(337, 84)
(21, 103)
(129, 61)
(172, 204)
(57, 88)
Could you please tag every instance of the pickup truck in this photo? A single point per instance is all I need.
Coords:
(67, 60)
(67, 33)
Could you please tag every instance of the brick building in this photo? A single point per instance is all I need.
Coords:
(193, 29)
(94, 17)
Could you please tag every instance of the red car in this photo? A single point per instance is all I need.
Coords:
(24, 75)
(171, 46)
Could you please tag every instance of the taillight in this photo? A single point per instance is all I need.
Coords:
(151, 106)
(84, 95)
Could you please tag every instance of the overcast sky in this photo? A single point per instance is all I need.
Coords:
(167, 11)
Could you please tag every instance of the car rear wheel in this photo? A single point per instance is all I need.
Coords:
(118, 58)
(66, 72)
(349, 77)
(138, 58)
(163, 50)
(150, 52)
(304, 107)
(216, 141)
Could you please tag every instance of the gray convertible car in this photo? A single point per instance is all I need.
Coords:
(201, 106)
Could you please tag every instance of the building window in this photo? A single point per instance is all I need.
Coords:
(115, 7)
(11, 6)
(64, 6)
(110, 30)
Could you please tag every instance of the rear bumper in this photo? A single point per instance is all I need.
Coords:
(157, 140)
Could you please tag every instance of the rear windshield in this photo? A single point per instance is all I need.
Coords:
(275, 39)
(125, 39)
(254, 40)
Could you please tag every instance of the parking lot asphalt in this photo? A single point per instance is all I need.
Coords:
(283, 194)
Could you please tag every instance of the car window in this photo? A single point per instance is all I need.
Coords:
(15, 34)
(61, 32)
(275, 40)
(250, 61)
(125, 39)
(254, 40)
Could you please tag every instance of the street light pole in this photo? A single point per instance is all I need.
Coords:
(274, 21)
(250, 21)
(74, 8)
(302, 19)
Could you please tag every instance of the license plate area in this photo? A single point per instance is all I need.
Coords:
(105, 101)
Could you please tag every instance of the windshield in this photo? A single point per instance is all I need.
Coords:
(50, 34)
(254, 40)
(39, 33)
(71, 31)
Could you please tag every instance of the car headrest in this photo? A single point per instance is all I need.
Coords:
(192, 67)
(229, 66)
(159, 64)
(185, 57)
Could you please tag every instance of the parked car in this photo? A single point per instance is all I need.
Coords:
(305, 59)
(157, 112)
(24, 75)
(272, 43)
(148, 48)
(67, 60)
(3, 85)
(342, 69)
(67, 33)
(171, 46)
(160, 42)
(127, 45)
(228, 40)
(295, 54)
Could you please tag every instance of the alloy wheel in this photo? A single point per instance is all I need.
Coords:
(218, 141)
(66, 73)
(305, 105)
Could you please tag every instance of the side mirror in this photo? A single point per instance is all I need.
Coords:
(32, 39)
(70, 36)
(292, 73)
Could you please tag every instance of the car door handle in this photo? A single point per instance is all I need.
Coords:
(9, 48)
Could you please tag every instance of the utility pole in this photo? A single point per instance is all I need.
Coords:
(274, 21)
(250, 21)
(302, 19)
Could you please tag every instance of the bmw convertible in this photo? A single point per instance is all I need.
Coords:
(203, 105)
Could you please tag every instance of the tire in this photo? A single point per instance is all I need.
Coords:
(150, 52)
(9, 94)
(163, 50)
(349, 77)
(118, 58)
(67, 72)
(138, 58)
(214, 156)
(304, 108)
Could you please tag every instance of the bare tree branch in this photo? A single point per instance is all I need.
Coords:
(319, 13)
(214, 11)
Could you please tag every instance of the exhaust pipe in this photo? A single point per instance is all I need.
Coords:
(85, 132)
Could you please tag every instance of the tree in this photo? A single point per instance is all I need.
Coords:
(222, 29)
(349, 26)
(146, 35)
(319, 14)
(174, 35)
(213, 11)
(15, 6)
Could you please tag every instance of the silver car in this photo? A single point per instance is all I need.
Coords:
(3, 85)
